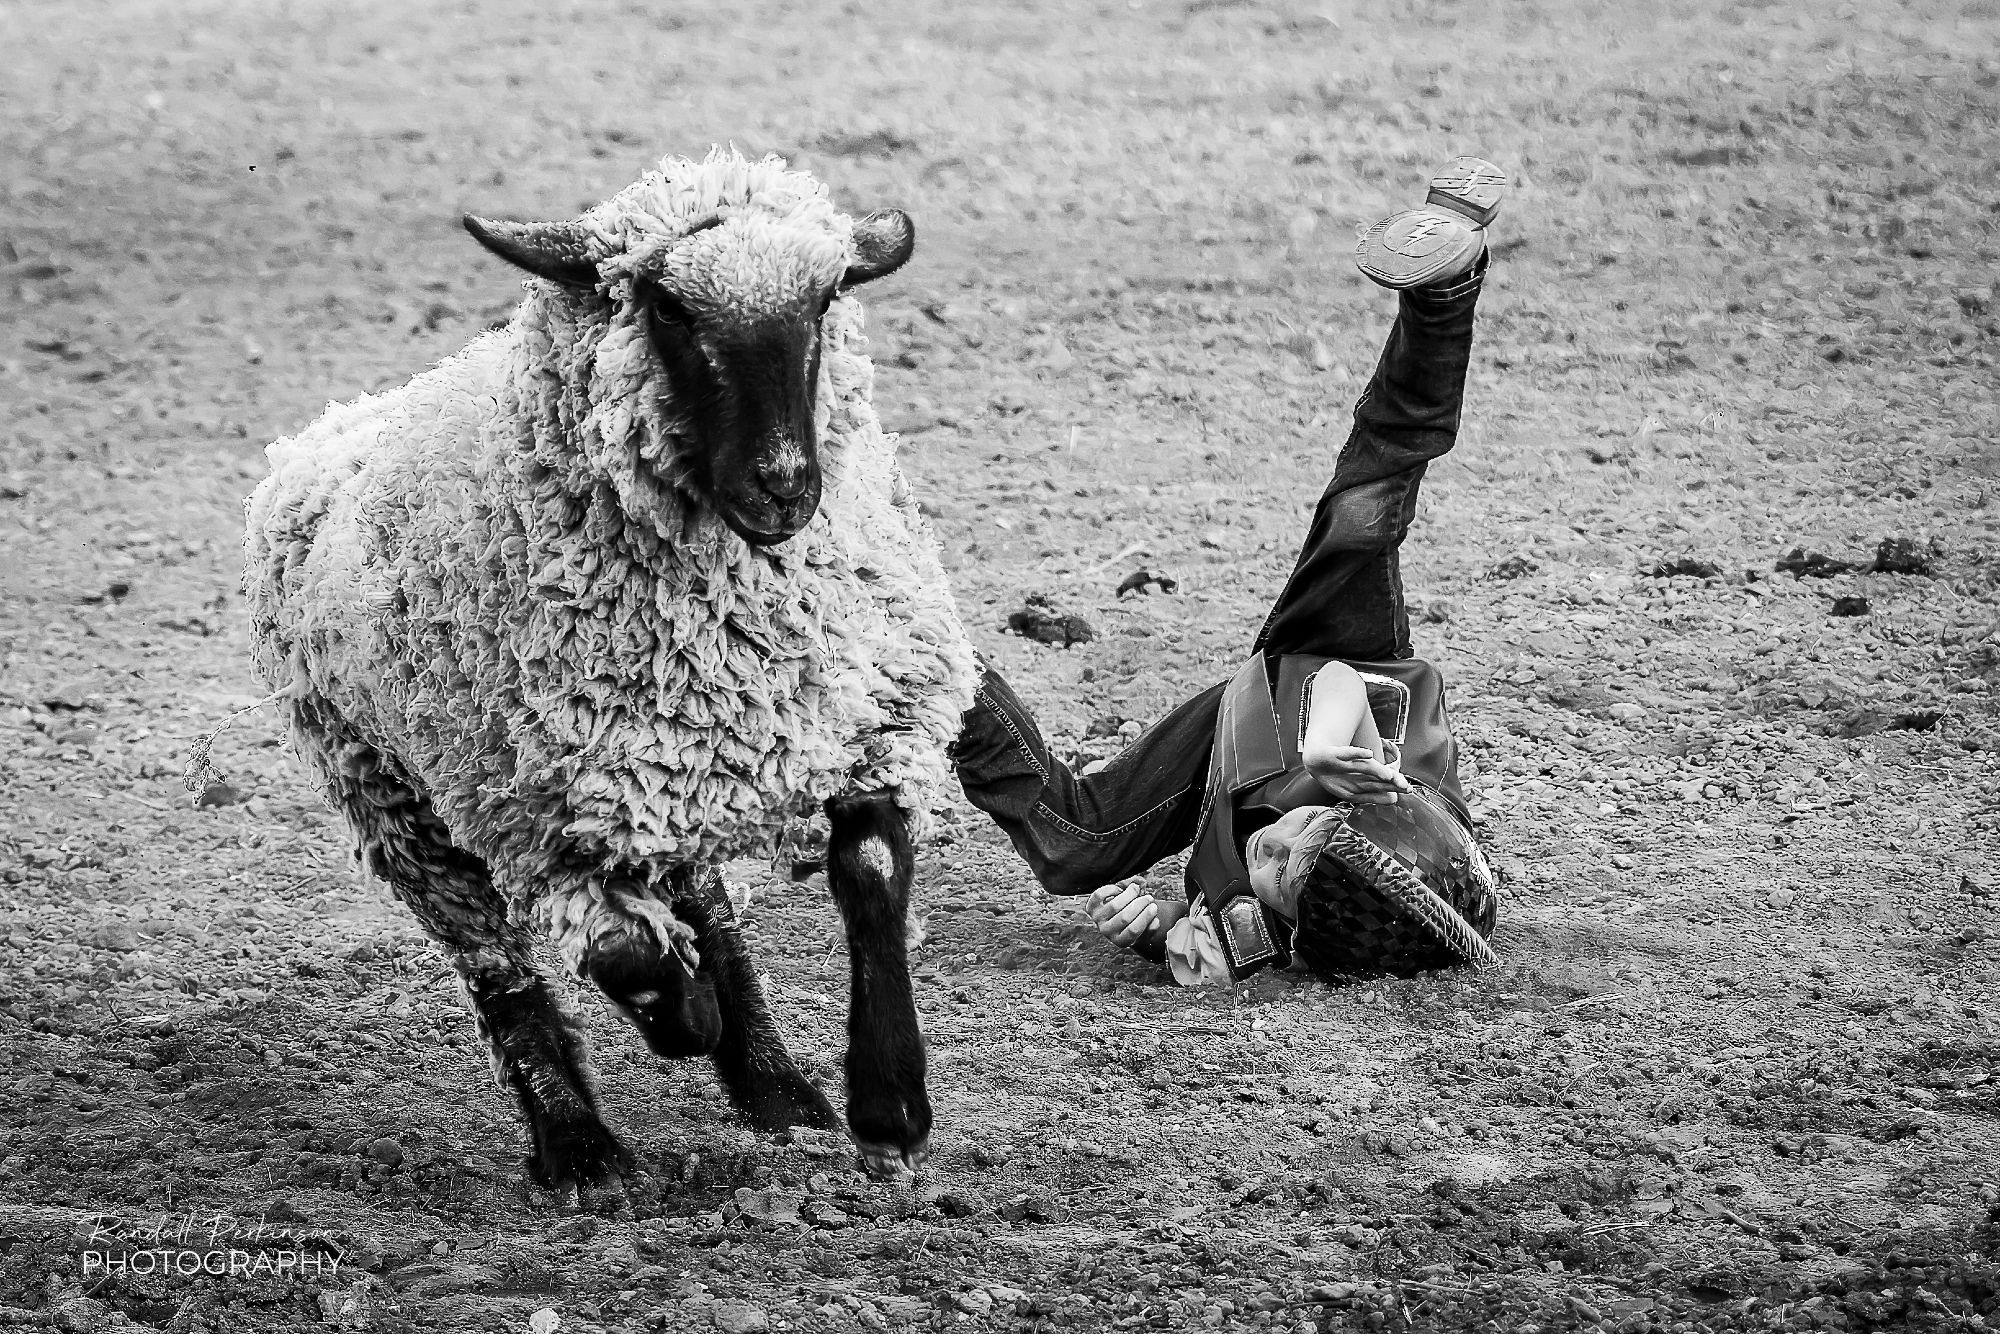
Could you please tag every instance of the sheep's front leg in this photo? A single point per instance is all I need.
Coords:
(869, 867)
(762, 1080)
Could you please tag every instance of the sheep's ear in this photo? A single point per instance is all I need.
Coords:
(883, 243)
(553, 250)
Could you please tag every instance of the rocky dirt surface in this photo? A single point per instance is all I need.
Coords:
(1739, 1069)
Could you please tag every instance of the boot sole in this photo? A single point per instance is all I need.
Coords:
(1470, 186)
(1416, 248)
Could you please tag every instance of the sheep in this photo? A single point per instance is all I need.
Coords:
(617, 593)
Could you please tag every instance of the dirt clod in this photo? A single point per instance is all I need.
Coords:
(1039, 620)
(1803, 564)
(1145, 581)
(1901, 555)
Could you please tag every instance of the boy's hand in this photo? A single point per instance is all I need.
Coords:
(1131, 918)
(1352, 773)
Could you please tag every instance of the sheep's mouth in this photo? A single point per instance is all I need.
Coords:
(765, 525)
(760, 535)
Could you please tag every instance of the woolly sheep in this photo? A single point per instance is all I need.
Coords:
(617, 593)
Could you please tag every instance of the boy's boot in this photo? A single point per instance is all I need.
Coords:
(1441, 240)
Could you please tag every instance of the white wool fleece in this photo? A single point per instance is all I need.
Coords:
(497, 577)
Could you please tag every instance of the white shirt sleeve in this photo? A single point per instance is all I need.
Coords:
(1194, 954)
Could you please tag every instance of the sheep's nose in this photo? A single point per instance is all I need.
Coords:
(785, 481)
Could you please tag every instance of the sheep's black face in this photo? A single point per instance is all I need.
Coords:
(742, 367)
(746, 393)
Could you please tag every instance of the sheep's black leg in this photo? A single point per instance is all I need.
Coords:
(763, 1081)
(536, 1045)
(869, 868)
(718, 1009)
(538, 1052)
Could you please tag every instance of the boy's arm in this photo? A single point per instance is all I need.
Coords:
(1341, 748)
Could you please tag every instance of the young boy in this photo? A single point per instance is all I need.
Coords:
(1318, 787)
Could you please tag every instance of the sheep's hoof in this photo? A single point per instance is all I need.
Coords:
(609, 1196)
(580, 1157)
(893, 1162)
(784, 1099)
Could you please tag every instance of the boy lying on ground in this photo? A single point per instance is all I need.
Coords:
(1318, 787)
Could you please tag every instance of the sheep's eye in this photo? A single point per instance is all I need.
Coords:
(669, 307)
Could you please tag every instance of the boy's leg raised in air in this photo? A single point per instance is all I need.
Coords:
(1345, 595)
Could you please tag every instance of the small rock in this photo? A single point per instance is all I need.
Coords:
(1683, 565)
(1850, 606)
(81, 1315)
(1514, 567)
(823, 1213)
(1780, 898)
(118, 936)
(115, 591)
(1034, 1209)
(287, 1213)
(385, 1151)
(1215, 539)
(544, 1321)
(217, 794)
(1860, 722)
(1625, 711)
(1003, 1295)
(772, 1208)
(977, 1301)
(740, 1318)
(959, 1203)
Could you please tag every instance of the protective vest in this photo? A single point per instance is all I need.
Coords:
(1256, 774)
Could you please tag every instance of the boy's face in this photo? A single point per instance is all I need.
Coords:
(1267, 854)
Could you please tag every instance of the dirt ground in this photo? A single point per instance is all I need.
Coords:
(1739, 1068)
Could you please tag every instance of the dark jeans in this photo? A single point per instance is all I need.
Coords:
(1344, 599)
